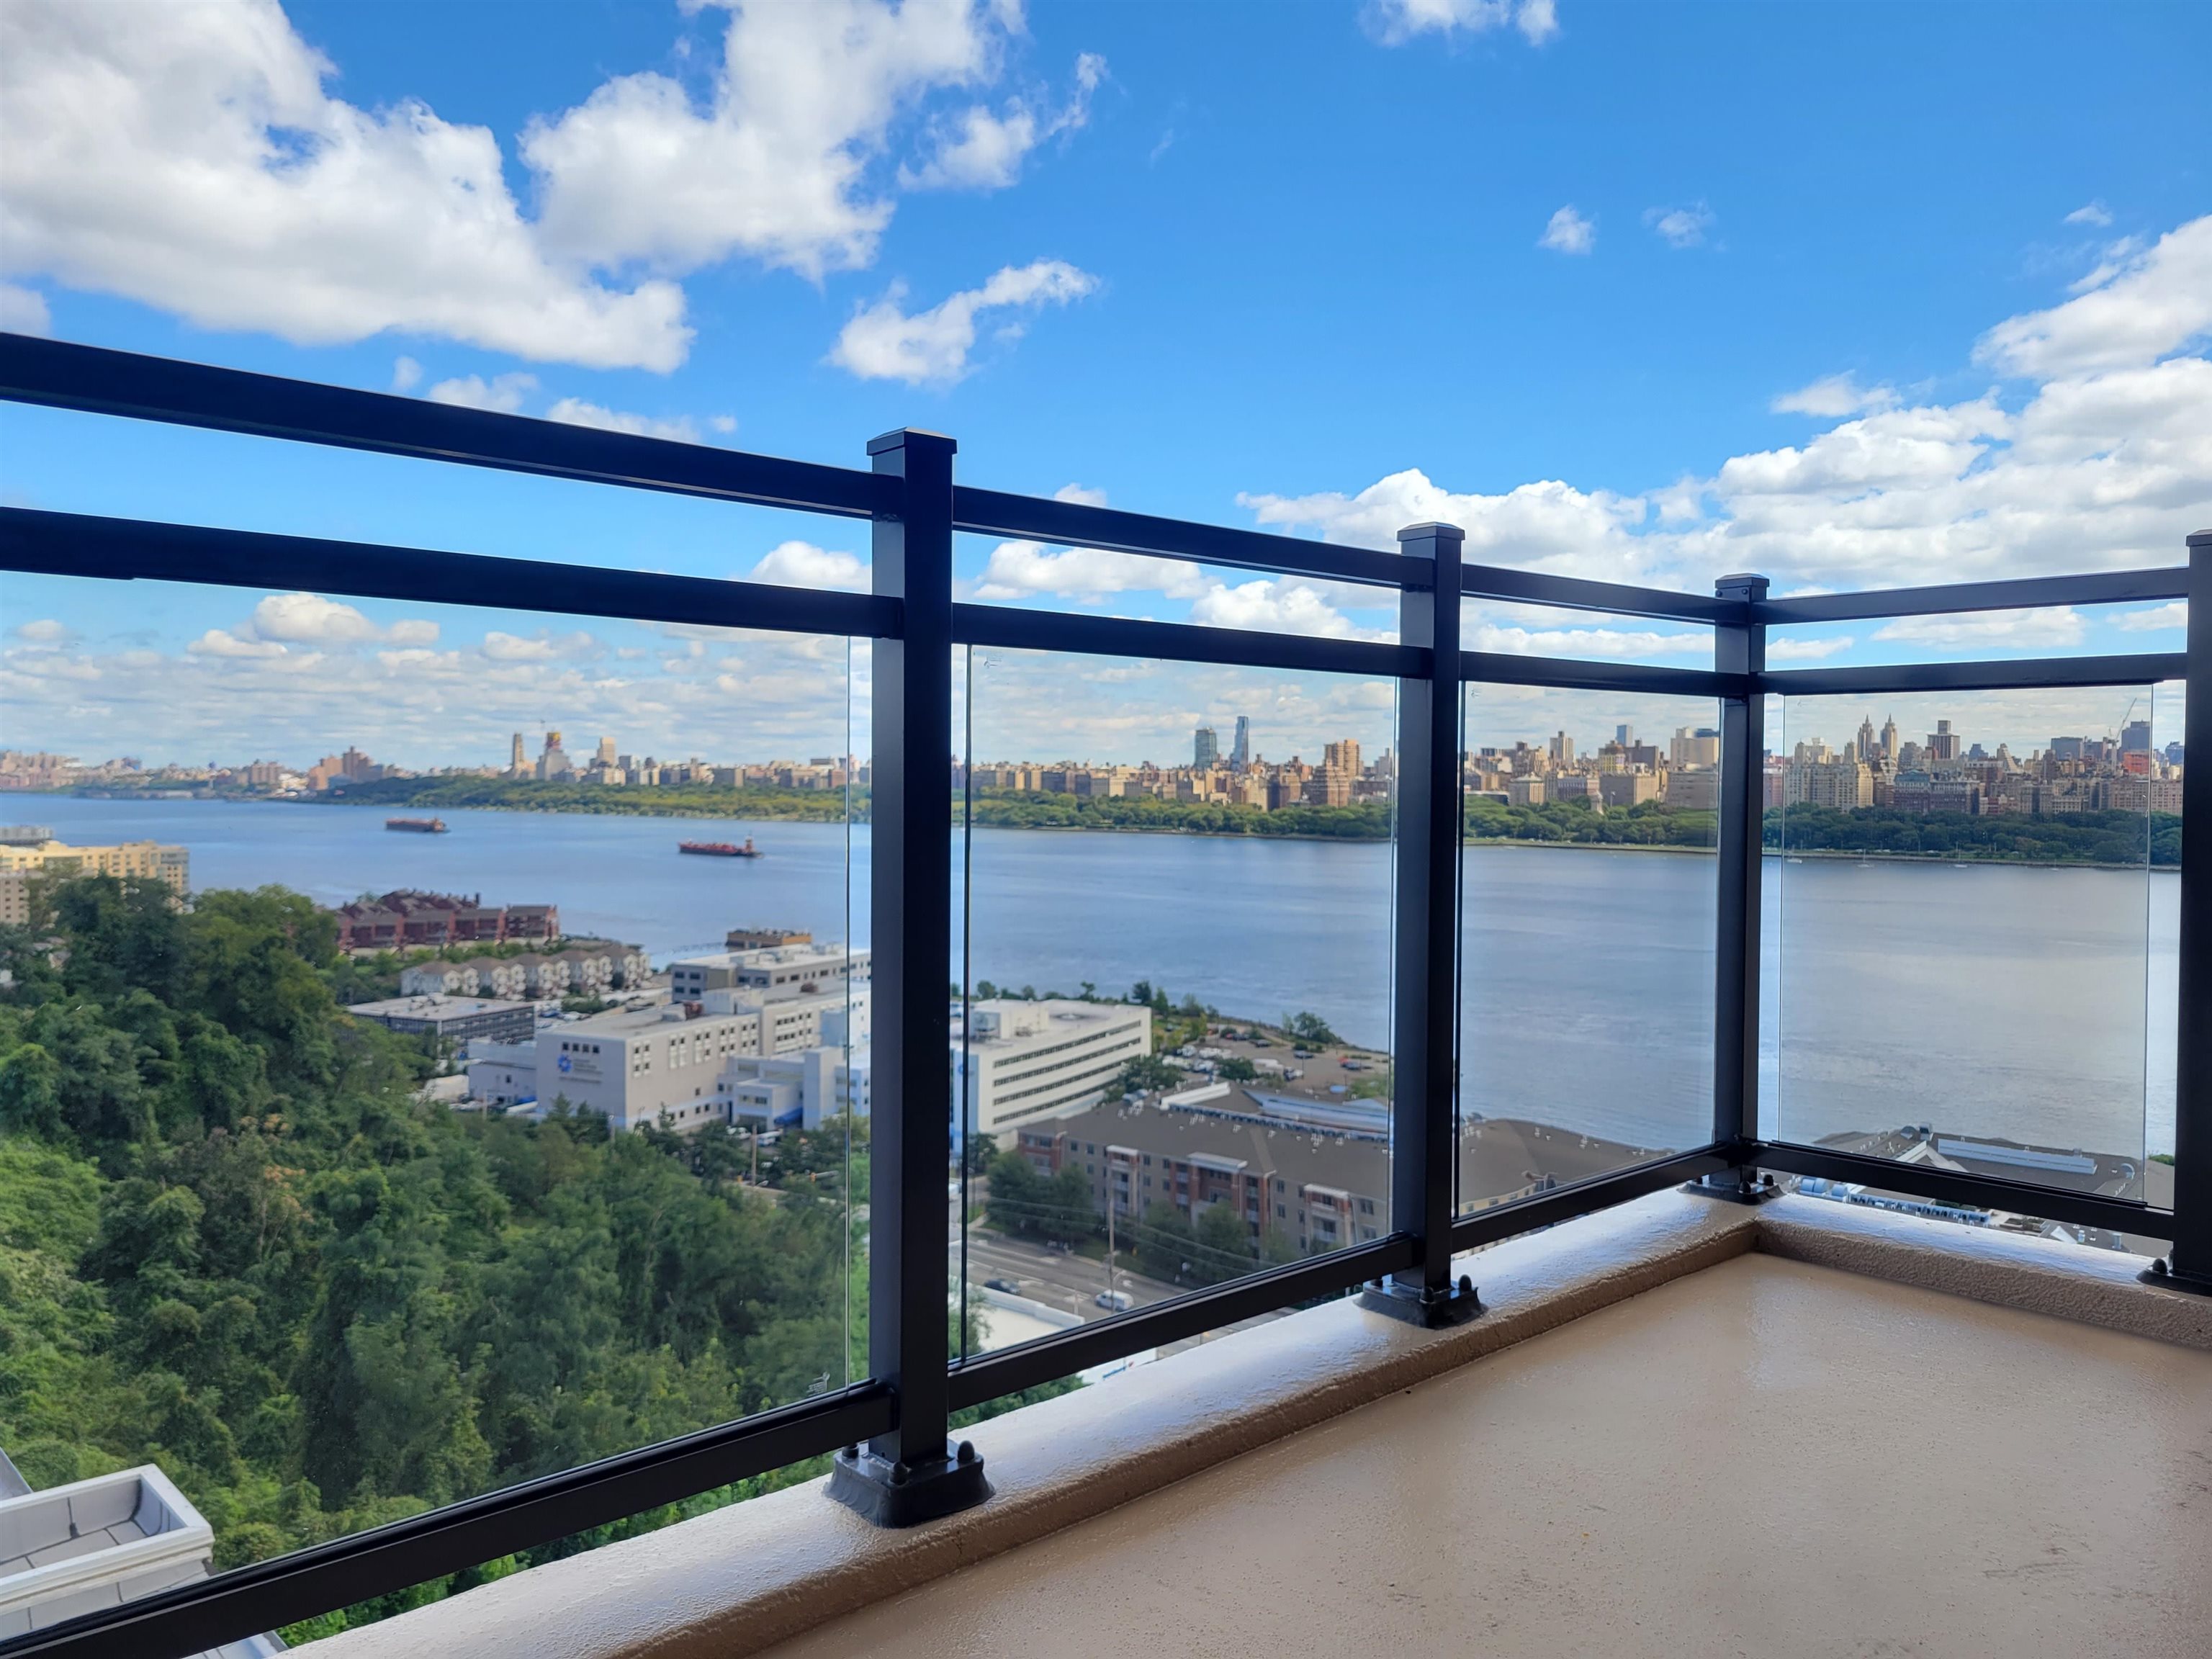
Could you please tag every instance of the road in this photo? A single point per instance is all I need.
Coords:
(1061, 1279)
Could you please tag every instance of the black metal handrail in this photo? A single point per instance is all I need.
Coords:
(915, 509)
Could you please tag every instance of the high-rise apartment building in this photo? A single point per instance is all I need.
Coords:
(1204, 748)
(554, 763)
(1239, 751)
(518, 760)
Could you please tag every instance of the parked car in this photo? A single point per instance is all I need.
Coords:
(1114, 1301)
(1010, 1287)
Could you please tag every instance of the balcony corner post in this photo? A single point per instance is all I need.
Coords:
(2190, 1265)
(911, 1474)
(1425, 1084)
(1739, 648)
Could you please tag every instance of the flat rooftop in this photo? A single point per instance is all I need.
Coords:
(435, 1005)
(1764, 1456)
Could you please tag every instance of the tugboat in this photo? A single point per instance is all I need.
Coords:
(721, 849)
(418, 826)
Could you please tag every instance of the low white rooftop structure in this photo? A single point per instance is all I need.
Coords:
(99, 1543)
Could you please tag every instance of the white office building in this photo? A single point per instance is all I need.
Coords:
(676, 1065)
(1026, 1061)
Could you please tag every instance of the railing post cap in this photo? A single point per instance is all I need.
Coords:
(1743, 585)
(905, 435)
(1422, 533)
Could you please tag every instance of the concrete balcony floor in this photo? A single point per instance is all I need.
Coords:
(1762, 1457)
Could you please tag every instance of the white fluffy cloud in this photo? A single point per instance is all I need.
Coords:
(1023, 570)
(1786, 649)
(1680, 226)
(2156, 619)
(189, 156)
(577, 412)
(774, 165)
(2134, 310)
(802, 564)
(2090, 213)
(2018, 630)
(977, 149)
(883, 343)
(284, 620)
(1833, 396)
(1568, 232)
(502, 393)
(2104, 461)
(542, 646)
(23, 310)
(42, 631)
(1395, 21)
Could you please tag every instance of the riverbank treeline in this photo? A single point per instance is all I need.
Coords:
(2083, 838)
(2077, 838)
(234, 1243)
(655, 800)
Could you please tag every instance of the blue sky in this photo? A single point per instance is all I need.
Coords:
(1853, 295)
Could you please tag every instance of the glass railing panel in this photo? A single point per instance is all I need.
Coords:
(65, 461)
(1031, 576)
(1969, 888)
(2060, 630)
(412, 1084)
(1542, 630)
(1588, 932)
(1170, 1021)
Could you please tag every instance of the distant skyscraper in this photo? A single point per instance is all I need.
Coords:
(1866, 744)
(1205, 747)
(1889, 740)
(1343, 756)
(1563, 750)
(1624, 735)
(606, 757)
(2134, 736)
(518, 760)
(1240, 752)
(554, 763)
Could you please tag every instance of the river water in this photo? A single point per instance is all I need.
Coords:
(2035, 1004)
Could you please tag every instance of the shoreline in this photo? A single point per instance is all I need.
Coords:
(1829, 854)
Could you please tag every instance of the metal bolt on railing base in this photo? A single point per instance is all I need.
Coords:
(2163, 1273)
(1417, 1304)
(907, 1494)
(1735, 1186)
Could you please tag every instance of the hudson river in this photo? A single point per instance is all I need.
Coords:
(2035, 1004)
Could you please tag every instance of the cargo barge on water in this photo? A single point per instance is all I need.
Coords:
(418, 826)
(721, 849)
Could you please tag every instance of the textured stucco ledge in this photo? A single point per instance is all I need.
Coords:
(743, 1578)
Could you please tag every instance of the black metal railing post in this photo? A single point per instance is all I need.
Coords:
(2190, 1266)
(1739, 647)
(911, 1474)
(1423, 1090)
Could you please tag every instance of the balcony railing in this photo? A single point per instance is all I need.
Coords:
(900, 1462)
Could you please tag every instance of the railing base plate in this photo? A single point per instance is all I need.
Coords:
(2163, 1273)
(1431, 1311)
(907, 1494)
(1733, 1187)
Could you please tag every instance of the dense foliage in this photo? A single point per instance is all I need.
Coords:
(2077, 838)
(1008, 809)
(659, 800)
(1649, 824)
(233, 1243)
